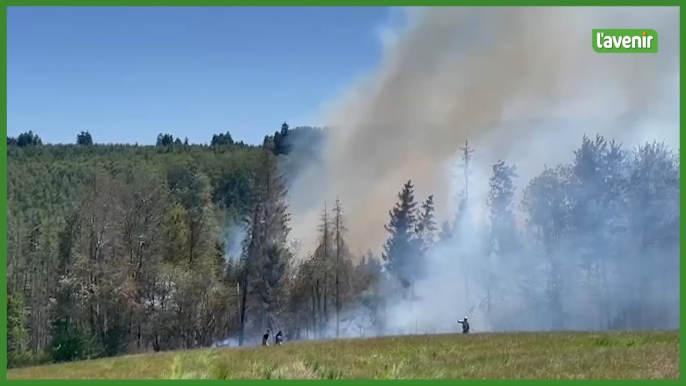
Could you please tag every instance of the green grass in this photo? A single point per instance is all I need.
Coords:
(580, 355)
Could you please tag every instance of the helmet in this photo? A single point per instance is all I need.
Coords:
(465, 318)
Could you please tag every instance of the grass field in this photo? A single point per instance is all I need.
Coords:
(580, 355)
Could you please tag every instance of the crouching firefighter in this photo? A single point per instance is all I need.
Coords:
(465, 325)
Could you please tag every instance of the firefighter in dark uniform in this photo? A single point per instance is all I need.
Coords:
(465, 325)
(265, 339)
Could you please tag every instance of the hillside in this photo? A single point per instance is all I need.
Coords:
(576, 355)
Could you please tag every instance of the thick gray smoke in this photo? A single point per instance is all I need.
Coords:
(520, 84)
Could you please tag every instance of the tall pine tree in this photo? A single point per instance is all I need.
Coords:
(401, 249)
(341, 256)
(266, 255)
(425, 232)
(503, 238)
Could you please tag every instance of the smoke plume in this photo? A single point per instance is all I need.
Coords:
(520, 84)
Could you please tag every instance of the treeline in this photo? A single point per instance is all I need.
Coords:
(305, 138)
(117, 249)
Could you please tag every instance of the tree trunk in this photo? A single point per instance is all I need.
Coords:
(322, 321)
(314, 314)
(244, 301)
(338, 260)
(338, 309)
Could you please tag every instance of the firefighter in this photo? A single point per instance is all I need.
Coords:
(265, 339)
(278, 339)
(465, 325)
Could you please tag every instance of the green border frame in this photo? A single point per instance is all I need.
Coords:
(3, 167)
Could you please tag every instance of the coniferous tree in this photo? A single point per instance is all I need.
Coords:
(323, 255)
(653, 201)
(266, 254)
(503, 236)
(426, 229)
(223, 139)
(400, 250)
(84, 139)
(28, 139)
(341, 257)
(547, 204)
(500, 200)
(596, 187)
(164, 140)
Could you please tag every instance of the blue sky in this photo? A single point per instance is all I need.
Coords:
(127, 74)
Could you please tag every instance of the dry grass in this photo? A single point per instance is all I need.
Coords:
(569, 355)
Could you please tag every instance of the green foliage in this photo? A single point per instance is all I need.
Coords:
(17, 335)
(165, 140)
(24, 140)
(101, 236)
(123, 248)
(223, 139)
(72, 344)
(84, 139)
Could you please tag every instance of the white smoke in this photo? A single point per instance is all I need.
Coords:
(521, 84)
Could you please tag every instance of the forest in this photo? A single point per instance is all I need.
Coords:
(120, 249)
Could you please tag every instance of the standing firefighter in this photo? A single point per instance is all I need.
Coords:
(278, 339)
(465, 325)
(265, 339)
